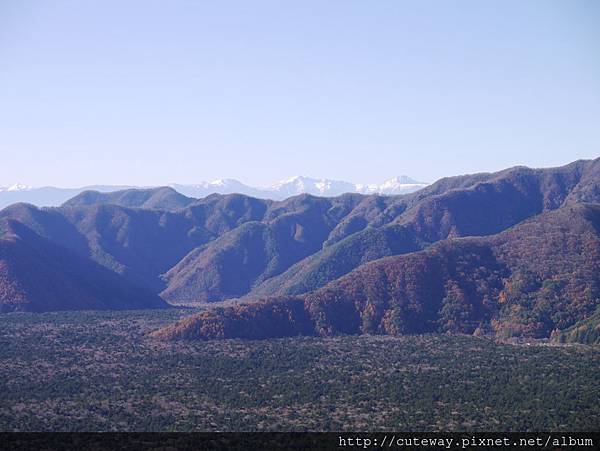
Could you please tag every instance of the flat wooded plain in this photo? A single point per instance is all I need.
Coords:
(100, 371)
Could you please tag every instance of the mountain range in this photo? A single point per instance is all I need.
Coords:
(514, 253)
(53, 197)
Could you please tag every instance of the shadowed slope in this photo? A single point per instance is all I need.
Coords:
(338, 259)
(247, 255)
(140, 244)
(38, 275)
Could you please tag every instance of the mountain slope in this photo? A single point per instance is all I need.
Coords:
(539, 276)
(500, 201)
(255, 251)
(37, 275)
(338, 259)
(136, 243)
(225, 246)
(586, 331)
(476, 205)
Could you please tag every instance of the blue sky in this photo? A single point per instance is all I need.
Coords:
(153, 92)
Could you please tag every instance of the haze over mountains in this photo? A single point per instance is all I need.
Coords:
(53, 197)
(512, 253)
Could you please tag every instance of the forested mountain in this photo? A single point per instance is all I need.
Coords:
(231, 265)
(441, 258)
(39, 275)
(476, 205)
(163, 198)
(536, 277)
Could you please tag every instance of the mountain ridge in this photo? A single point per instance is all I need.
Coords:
(49, 196)
(527, 281)
(231, 246)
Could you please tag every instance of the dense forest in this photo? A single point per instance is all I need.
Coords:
(101, 371)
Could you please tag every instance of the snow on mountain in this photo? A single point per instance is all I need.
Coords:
(220, 186)
(15, 187)
(325, 187)
(318, 187)
(397, 185)
(51, 196)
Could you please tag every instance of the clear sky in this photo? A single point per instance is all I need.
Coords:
(154, 92)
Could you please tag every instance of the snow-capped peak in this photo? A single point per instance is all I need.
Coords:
(401, 180)
(219, 182)
(297, 180)
(321, 187)
(293, 186)
(16, 187)
(397, 185)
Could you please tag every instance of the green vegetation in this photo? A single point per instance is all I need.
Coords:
(586, 331)
(76, 371)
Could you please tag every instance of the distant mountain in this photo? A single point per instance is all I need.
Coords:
(47, 196)
(226, 246)
(14, 188)
(316, 187)
(398, 185)
(163, 198)
(221, 186)
(53, 197)
(301, 185)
